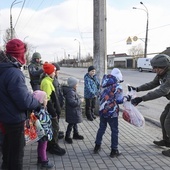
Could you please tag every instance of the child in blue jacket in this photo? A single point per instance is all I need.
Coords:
(110, 97)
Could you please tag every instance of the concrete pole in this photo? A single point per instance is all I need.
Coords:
(99, 38)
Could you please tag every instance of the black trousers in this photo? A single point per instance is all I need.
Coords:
(70, 127)
(90, 105)
(13, 146)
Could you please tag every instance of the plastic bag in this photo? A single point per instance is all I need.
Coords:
(131, 114)
(33, 130)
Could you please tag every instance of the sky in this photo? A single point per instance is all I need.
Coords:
(57, 28)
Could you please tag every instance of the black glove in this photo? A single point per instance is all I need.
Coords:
(128, 98)
(136, 101)
(132, 88)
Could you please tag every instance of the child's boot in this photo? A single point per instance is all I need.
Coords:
(114, 153)
(68, 139)
(97, 148)
(89, 116)
(77, 136)
(47, 164)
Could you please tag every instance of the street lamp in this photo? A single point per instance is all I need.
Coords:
(79, 49)
(147, 23)
(11, 27)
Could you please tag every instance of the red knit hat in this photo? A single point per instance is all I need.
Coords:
(48, 68)
(16, 48)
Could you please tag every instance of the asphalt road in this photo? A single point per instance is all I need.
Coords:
(150, 109)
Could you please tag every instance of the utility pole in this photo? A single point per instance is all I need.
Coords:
(99, 38)
(11, 27)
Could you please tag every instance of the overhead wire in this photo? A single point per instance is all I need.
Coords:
(19, 14)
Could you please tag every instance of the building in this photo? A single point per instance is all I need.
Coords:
(121, 60)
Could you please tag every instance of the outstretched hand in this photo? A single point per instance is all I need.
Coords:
(132, 88)
(136, 101)
(128, 98)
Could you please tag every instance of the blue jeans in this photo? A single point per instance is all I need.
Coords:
(113, 123)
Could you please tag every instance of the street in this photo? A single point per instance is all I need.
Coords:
(151, 109)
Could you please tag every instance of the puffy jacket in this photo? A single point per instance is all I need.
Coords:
(48, 87)
(110, 96)
(15, 99)
(91, 86)
(72, 105)
(164, 87)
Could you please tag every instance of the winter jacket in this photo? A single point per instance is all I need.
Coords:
(35, 71)
(15, 99)
(110, 96)
(46, 123)
(47, 86)
(72, 105)
(91, 86)
(164, 87)
(58, 91)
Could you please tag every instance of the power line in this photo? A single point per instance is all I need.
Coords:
(19, 13)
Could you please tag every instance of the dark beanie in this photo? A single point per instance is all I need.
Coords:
(16, 48)
(56, 66)
(91, 68)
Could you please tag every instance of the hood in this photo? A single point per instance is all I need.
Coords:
(108, 80)
(5, 66)
(66, 89)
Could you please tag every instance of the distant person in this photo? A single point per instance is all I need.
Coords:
(59, 95)
(91, 88)
(35, 71)
(47, 86)
(161, 66)
(46, 123)
(15, 101)
(73, 111)
(110, 97)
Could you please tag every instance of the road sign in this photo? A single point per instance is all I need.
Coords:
(129, 41)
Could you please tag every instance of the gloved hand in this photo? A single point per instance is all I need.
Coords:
(136, 101)
(132, 88)
(127, 98)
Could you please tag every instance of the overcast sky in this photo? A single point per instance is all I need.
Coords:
(52, 26)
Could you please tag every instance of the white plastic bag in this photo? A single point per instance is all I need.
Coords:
(131, 114)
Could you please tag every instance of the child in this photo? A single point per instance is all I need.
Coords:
(47, 86)
(111, 95)
(45, 121)
(73, 109)
(91, 88)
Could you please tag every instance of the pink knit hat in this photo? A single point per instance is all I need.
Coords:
(40, 95)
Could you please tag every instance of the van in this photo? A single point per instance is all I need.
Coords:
(144, 64)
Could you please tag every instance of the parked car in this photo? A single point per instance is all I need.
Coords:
(144, 64)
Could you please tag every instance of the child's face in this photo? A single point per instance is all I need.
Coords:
(57, 72)
(75, 87)
(45, 101)
(92, 73)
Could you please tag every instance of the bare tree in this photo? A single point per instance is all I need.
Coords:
(136, 51)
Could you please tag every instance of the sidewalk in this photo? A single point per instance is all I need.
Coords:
(138, 151)
(136, 145)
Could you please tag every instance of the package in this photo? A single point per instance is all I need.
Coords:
(130, 112)
(132, 115)
(33, 130)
